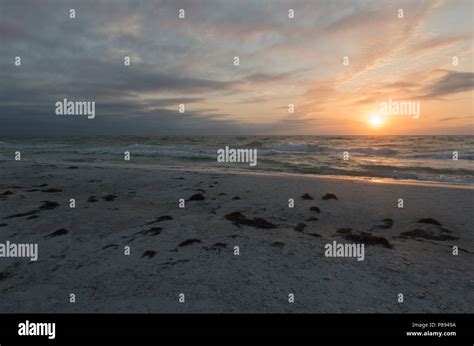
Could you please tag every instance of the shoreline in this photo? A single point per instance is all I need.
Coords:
(228, 171)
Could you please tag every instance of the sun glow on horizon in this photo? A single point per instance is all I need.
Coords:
(376, 120)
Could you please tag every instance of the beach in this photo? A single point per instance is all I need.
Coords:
(192, 250)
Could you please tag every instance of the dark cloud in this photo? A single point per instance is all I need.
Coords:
(451, 83)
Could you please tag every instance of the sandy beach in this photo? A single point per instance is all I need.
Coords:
(191, 250)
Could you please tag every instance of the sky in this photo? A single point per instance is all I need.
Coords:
(336, 62)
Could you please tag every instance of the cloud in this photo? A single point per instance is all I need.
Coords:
(451, 82)
(190, 61)
(455, 118)
(437, 43)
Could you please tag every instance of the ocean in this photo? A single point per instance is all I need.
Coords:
(413, 158)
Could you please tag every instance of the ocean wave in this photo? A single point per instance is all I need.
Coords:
(419, 169)
(302, 148)
(444, 156)
(314, 148)
(151, 150)
(384, 172)
(254, 144)
(374, 151)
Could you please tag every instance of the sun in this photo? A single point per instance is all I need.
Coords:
(376, 120)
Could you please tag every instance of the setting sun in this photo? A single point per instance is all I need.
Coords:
(376, 120)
